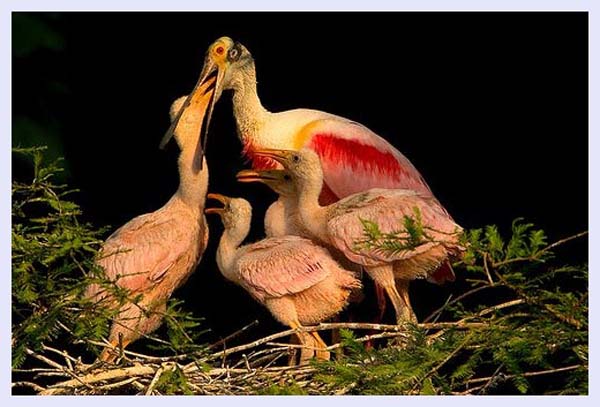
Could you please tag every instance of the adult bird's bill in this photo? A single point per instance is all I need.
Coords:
(220, 56)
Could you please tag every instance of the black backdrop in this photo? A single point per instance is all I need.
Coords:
(490, 107)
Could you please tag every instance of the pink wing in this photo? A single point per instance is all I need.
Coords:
(280, 266)
(355, 159)
(387, 208)
(140, 253)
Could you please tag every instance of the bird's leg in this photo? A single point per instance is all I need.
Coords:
(381, 302)
(402, 290)
(384, 276)
(112, 352)
(293, 353)
(305, 340)
(321, 353)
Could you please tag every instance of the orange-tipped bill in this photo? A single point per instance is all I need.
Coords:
(221, 198)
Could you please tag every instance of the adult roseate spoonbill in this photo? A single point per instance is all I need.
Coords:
(153, 254)
(354, 158)
(341, 225)
(294, 278)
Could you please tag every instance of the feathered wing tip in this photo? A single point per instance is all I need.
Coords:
(347, 279)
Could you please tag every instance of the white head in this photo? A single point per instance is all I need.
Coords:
(303, 166)
(236, 213)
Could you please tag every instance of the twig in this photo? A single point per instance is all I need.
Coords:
(99, 377)
(235, 334)
(122, 383)
(537, 255)
(455, 300)
(68, 358)
(528, 374)
(34, 386)
(154, 381)
(487, 270)
(447, 358)
(489, 382)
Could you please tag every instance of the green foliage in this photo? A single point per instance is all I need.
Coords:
(519, 327)
(292, 389)
(182, 331)
(413, 234)
(53, 263)
(173, 382)
(51, 255)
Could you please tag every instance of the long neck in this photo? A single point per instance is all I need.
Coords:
(290, 204)
(312, 214)
(192, 185)
(247, 108)
(231, 239)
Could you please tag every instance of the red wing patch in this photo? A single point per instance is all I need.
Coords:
(258, 162)
(357, 155)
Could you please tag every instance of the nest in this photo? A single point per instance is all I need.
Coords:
(246, 369)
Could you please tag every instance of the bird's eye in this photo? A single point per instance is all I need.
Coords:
(295, 158)
(219, 50)
(287, 177)
(234, 54)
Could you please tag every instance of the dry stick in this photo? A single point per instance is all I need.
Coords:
(154, 381)
(463, 324)
(447, 358)
(529, 374)
(460, 297)
(291, 346)
(235, 334)
(489, 382)
(564, 318)
(64, 354)
(119, 384)
(54, 364)
(34, 386)
(99, 377)
(487, 270)
(289, 332)
(325, 326)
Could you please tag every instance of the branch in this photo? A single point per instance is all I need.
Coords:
(91, 378)
(527, 374)
(537, 255)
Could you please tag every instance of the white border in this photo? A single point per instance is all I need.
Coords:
(7, 7)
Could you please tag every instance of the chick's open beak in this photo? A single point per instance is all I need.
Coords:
(221, 198)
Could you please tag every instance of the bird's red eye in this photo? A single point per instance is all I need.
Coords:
(219, 50)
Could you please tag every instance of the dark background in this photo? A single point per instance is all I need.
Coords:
(490, 107)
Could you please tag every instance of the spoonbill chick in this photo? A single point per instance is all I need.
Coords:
(294, 278)
(282, 217)
(341, 225)
(154, 254)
